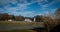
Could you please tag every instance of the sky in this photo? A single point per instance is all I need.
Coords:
(28, 8)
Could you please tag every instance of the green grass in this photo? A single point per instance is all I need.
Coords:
(20, 23)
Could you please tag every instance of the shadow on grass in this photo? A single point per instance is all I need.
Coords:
(17, 30)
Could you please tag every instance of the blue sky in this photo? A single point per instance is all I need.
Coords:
(28, 8)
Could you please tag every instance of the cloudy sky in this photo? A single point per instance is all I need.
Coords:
(28, 8)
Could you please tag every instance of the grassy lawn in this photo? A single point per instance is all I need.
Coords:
(20, 23)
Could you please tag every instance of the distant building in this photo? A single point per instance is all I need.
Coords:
(10, 20)
(28, 20)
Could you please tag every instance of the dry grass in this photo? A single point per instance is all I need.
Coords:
(21, 23)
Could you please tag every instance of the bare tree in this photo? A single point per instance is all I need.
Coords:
(57, 13)
(39, 18)
(4, 16)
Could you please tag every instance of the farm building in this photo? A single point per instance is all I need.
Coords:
(28, 20)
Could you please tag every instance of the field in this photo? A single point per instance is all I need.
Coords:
(19, 23)
(24, 30)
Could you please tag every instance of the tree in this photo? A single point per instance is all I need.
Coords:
(13, 17)
(19, 18)
(39, 18)
(57, 15)
(4, 16)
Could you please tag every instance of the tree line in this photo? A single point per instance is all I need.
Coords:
(6, 16)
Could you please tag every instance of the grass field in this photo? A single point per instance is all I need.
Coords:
(21, 23)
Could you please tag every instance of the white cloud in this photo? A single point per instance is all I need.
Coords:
(51, 3)
(40, 2)
(18, 7)
(13, 1)
(23, 13)
(46, 0)
(11, 9)
(23, 5)
(47, 5)
(1, 10)
(5, 2)
(28, 13)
